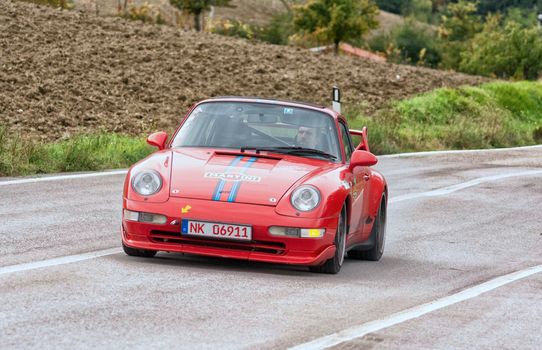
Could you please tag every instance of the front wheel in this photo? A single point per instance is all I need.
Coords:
(138, 252)
(378, 237)
(333, 265)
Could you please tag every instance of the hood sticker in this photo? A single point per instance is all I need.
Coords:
(233, 177)
(235, 188)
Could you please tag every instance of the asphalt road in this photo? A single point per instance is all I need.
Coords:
(454, 221)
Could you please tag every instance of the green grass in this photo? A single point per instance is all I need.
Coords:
(81, 153)
(498, 114)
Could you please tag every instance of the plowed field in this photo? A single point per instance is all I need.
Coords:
(66, 72)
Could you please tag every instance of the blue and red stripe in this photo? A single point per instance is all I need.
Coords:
(235, 188)
(220, 185)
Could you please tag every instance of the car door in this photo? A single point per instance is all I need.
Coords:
(357, 184)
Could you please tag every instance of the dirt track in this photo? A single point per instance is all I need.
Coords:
(65, 72)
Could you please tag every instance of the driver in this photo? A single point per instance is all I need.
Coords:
(308, 137)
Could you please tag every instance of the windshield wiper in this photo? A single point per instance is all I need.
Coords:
(292, 150)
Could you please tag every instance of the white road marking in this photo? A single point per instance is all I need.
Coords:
(58, 261)
(62, 177)
(416, 311)
(460, 186)
(428, 153)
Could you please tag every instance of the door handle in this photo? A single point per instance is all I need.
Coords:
(366, 177)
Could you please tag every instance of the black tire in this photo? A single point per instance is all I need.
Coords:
(333, 265)
(138, 252)
(378, 236)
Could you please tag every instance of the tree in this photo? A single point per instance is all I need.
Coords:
(419, 9)
(524, 17)
(196, 8)
(416, 43)
(459, 24)
(505, 51)
(393, 6)
(333, 21)
(492, 6)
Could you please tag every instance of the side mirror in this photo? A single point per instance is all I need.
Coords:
(362, 158)
(158, 139)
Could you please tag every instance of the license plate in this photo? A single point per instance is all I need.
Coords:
(216, 230)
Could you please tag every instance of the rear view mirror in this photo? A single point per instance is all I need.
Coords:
(362, 158)
(262, 118)
(158, 139)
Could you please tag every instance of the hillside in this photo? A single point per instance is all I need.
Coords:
(260, 12)
(66, 72)
(249, 11)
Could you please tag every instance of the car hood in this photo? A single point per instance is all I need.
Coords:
(234, 177)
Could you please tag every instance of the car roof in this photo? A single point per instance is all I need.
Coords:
(272, 101)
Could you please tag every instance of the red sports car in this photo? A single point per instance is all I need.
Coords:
(261, 180)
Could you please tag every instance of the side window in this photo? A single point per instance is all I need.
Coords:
(347, 142)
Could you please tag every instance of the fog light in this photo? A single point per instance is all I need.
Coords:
(284, 231)
(144, 217)
(131, 215)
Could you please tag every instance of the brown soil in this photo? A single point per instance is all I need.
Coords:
(65, 72)
(257, 12)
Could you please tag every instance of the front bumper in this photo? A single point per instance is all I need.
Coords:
(263, 247)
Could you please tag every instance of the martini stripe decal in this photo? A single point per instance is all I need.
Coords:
(220, 185)
(235, 188)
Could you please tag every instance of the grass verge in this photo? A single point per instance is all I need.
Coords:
(81, 153)
(498, 114)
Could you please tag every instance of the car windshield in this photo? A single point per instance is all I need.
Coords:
(260, 126)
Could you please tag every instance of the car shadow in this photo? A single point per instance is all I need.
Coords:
(219, 264)
(362, 269)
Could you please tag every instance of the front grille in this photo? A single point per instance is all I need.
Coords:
(253, 246)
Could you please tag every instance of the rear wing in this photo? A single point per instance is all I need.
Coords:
(364, 144)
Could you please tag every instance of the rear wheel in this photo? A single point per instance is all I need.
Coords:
(138, 252)
(333, 265)
(378, 236)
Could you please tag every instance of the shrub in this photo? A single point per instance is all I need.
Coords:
(419, 9)
(233, 28)
(145, 13)
(524, 17)
(499, 114)
(279, 30)
(505, 51)
(416, 44)
(393, 6)
(411, 43)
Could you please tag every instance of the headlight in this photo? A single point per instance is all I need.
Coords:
(147, 182)
(305, 198)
